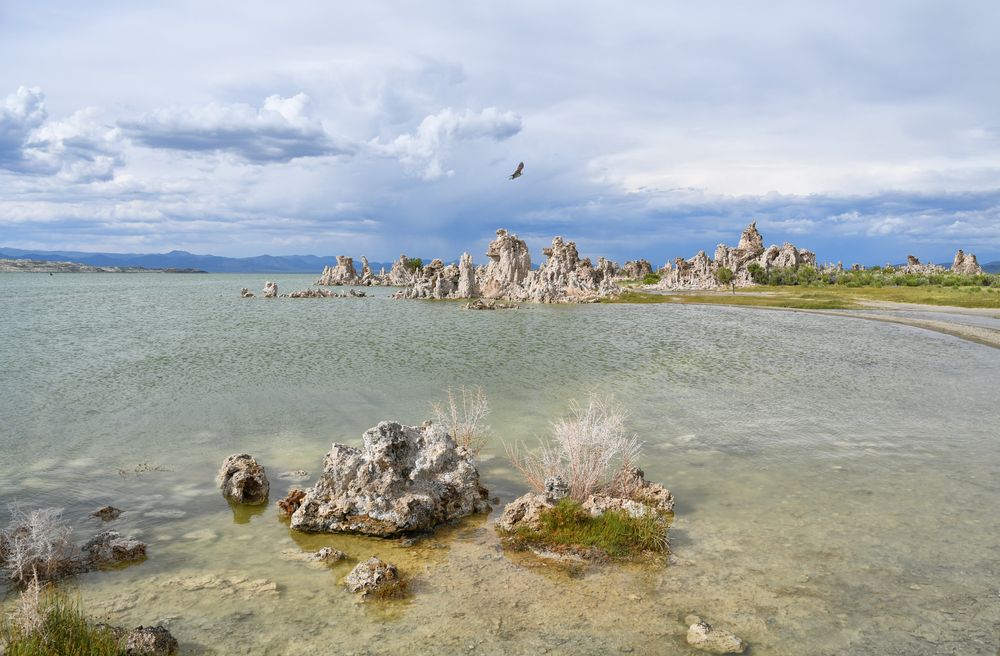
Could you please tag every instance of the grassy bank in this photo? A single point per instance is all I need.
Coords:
(827, 297)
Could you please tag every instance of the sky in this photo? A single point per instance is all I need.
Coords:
(862, 131)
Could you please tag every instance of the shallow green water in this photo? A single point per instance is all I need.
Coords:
(837, 480)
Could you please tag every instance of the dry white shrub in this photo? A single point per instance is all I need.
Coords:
(586, 449)
(464, 417)
(36, 546)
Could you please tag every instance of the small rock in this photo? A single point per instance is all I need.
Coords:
(246, 293)
(375, 577)
(149, 641)
(702, 635)
(291, 502)
(244, 480)
(294, 475)
(555, 489)
(107, 513)
(325, 556)
(110, 547)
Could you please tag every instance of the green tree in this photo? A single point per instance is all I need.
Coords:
(414, 264)
(725, 277)
(757, 273)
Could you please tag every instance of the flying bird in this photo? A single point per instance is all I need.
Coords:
(517, 171)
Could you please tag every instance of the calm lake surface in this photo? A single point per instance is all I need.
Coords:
(837, 481)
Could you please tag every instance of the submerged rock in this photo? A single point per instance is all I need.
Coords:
(375, 577)
(107, 513)
(492, 304)
(145, 640)
(702, 635)
(403, 478)
(324, 556)
(110, 547)
(244, 480)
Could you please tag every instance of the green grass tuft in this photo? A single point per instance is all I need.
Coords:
(567, 526)
(56, 627)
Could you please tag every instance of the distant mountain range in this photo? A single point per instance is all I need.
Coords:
(991, 267)
(185, 260)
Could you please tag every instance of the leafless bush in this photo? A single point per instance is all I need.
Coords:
(29, 615)
(586, 449)
(464, 417)
(36, 546)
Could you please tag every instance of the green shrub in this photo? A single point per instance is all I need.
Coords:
(651, 279)
(414, 264)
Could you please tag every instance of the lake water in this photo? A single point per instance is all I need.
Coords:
(837, 481)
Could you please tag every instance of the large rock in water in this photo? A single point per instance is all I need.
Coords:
(342, 274)
(403, 478)
(244, 480)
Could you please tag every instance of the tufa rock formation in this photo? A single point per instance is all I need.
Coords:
(563, 278)
(636, 270)
(965, 264)
(403, 478)
(913, 265)
(243, 480)
(107, 513)
(270, 290)
(342, 274)
(628, 492)
(700, 272)
(246, 293)
(144, 640)
(375, 577)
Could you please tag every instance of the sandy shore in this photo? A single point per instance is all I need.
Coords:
(883, 311)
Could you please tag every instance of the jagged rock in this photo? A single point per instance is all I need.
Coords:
(700, 272)
(631, 483)
(107, 513)
(246, 293)
(400, 275)
(702, 635)
(356, 293)
(374, 577)
(524, 511)
(145, 640)
(403, 478)
(315, 293)
(244, 480)
(270, 290)
(367, 277)
(467, 285)
(636, 269)
(110, 547)
(509, 266)
(966, 264)
(291, 502)
(341, 274)
(914, 266)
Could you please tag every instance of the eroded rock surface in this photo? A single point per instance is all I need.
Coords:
(145, 640)
(965, 264)
(374, 577)
(110, 547)
(341, 274)
(246, 293)
(270, 290)
(700, 271)
(107, 513)
(403, 478)
(244, 480)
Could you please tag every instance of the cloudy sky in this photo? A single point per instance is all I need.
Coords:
(864, 131)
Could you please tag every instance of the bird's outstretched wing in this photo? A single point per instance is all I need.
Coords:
(517, 171)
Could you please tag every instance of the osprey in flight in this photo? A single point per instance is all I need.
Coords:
(517, 171)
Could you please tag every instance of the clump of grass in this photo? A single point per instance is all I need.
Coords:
(47, 622)
(36, 546)
(463, 415)
(585, 451)
(567, 526)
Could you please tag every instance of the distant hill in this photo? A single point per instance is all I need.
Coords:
(185, 260)
(991, 267)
